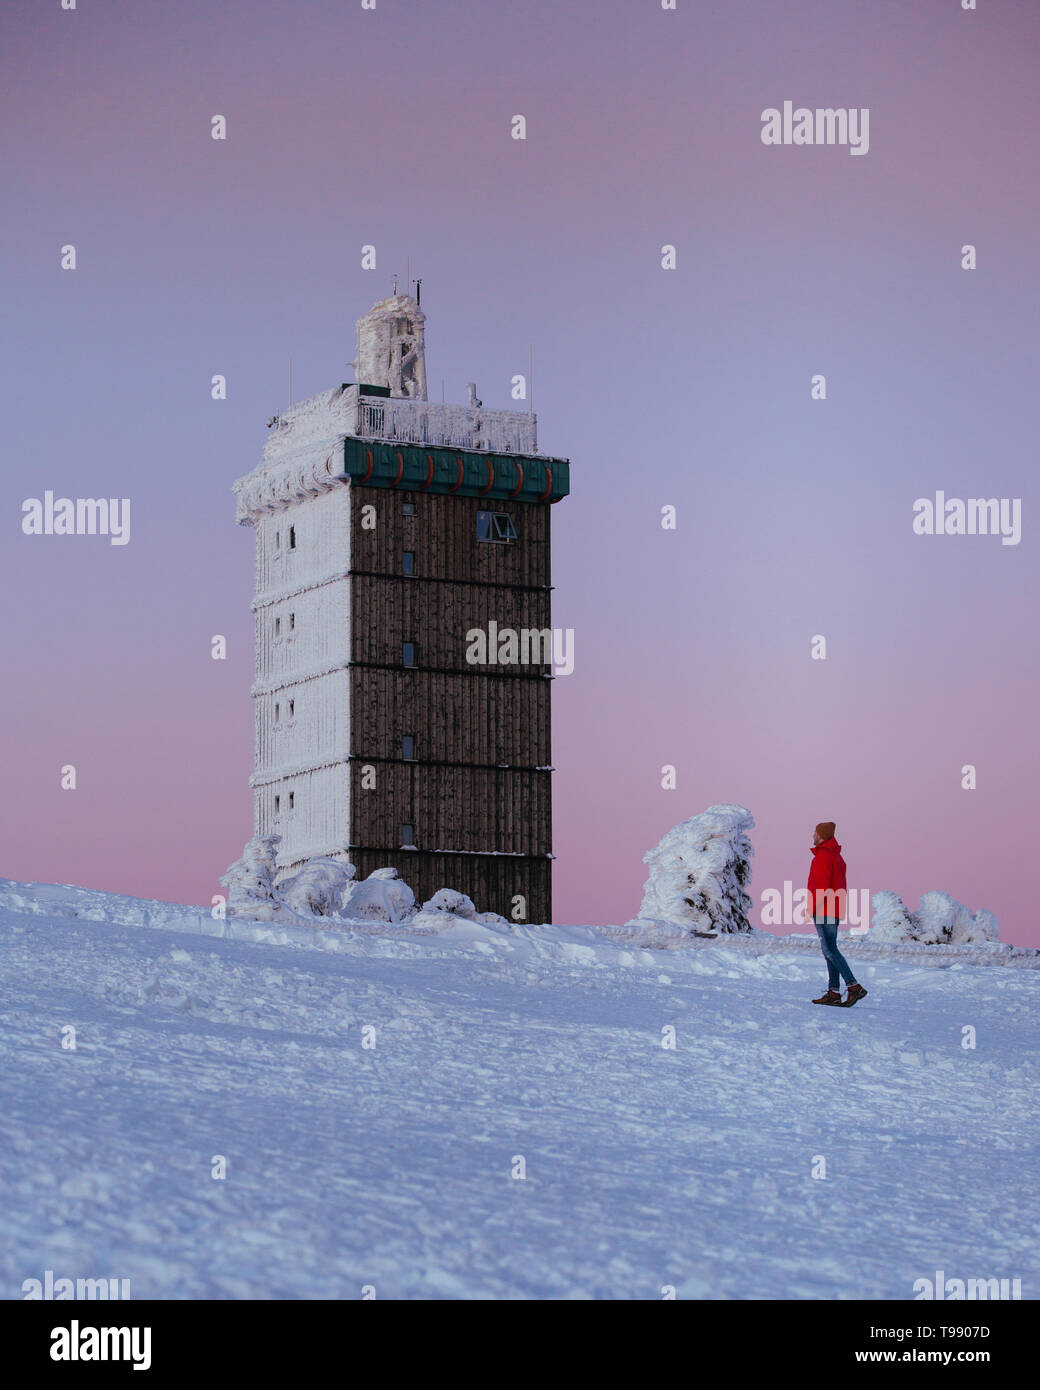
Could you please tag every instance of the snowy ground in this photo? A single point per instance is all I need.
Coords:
(391, 1166)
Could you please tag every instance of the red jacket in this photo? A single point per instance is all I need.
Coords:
(827, 872)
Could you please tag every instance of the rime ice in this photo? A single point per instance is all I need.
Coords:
(699, 873)
(940, 920)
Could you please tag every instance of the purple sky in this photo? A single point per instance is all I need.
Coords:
(688, 387)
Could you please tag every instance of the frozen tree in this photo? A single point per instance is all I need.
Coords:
(382, 897)
(939, 921)
(891, 919)
(318, 888)
(699, 873)
(250, 881)
(944, 919)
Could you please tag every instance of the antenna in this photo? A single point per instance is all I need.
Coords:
(418, 291)
(395, 284)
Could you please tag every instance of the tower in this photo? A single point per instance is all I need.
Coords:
(391, 347)
(390, 533)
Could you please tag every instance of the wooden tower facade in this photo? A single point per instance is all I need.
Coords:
(391, 534)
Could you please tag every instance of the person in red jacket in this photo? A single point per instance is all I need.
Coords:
(827, 893)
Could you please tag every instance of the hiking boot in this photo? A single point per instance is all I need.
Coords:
(833, 996)
(855, 993)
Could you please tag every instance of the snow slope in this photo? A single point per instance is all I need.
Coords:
(391, 1166)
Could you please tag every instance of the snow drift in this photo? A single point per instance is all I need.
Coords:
(939, 921)
(698, 874)
(391, 1166)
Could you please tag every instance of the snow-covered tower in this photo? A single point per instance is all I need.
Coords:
(387, 529)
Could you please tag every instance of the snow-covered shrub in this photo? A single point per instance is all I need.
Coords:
(940, 920)
(944, 919)
(891, 919)
(448, 901)
(448, 906)
(382, 897)
(250, 881)
(699, 873)
(318, 888)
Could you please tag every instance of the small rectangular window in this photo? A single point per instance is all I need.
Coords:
(292, 708)
(408, 748)
(292, 800)
(278, 627)
(407, 505)
(277, 711)
(292, 622)
(408, 654)
(408, 562)
(292, 537)
(277, 804)
(497, 527)
(407, 834)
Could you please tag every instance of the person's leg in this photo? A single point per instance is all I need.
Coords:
(835, 960)
(827, 947)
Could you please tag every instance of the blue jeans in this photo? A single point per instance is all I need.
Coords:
(827, 931)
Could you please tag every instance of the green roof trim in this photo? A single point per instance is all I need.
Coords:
(464, 472)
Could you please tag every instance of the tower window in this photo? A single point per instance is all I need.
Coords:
(407, 505)
(292, 537)
(292, 800)
(408, 562)
(292, 708)
(292, 622)
(408, 654)
(278, 627)
(408, 748)
(407, 834)
(496, 526)
(277, 711)
(277, 804)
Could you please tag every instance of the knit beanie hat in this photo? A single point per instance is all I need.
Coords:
(826, 829)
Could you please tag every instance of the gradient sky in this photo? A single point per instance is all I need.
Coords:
(686, 387)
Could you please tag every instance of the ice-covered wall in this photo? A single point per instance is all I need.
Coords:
(300, 781)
